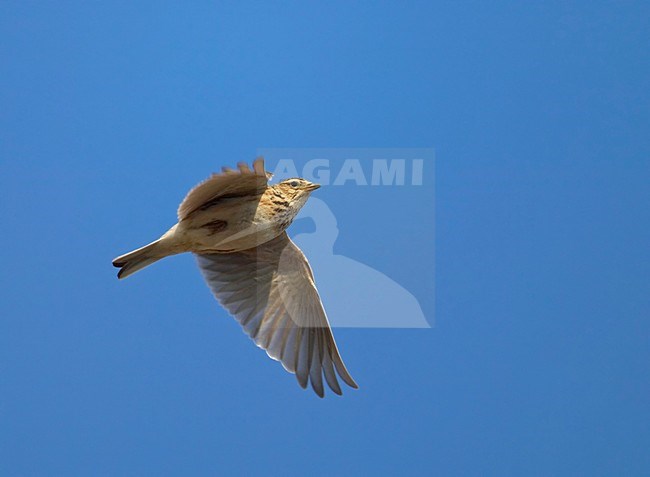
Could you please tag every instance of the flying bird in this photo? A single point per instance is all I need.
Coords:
(235, 224)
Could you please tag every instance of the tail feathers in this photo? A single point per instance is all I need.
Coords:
(138, 259)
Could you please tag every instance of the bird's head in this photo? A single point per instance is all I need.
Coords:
(296, 189)
(292, 194)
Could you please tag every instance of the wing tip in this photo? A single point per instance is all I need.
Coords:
(258, 166)
(349, 381)
(303, 382)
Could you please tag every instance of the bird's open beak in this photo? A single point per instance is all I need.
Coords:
(313, 187)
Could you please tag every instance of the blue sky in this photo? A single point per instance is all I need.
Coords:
(538, 363)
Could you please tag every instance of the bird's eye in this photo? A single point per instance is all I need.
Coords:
(294, 184)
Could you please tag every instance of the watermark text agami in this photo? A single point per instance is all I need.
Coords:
(377, 172)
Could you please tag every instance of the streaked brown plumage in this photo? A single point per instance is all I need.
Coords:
(235, 224)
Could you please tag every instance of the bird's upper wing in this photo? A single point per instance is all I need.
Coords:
(270, 290)
(228, 183)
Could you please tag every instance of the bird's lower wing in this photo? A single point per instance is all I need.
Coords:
(270, 290)
(228, 183)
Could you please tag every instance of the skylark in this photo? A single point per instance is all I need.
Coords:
(235, 223)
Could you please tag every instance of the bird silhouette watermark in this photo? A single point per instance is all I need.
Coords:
(357, 294)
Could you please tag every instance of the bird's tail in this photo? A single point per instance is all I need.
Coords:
(138, 259)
